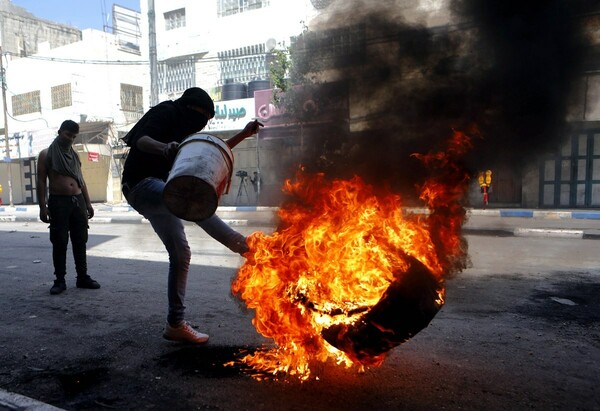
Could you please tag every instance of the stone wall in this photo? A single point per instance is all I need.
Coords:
(22, 32)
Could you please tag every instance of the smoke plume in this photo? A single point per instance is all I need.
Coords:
(409, 75)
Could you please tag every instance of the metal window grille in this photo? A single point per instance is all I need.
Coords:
(26, 103)
(230, 7)
(131, 98)
(244, 64)
(61, 96)
(174, 19)
(177, 75)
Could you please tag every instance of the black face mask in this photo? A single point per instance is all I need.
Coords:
(196, 121)
(64, 143)
(200, 121)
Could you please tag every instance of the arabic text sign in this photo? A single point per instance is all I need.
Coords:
(231, 115)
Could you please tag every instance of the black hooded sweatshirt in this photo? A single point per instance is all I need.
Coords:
(166, 122)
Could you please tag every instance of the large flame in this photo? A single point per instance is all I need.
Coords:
(338, 252)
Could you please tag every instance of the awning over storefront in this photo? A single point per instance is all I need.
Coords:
(94, 132)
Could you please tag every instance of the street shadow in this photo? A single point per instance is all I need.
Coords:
(208, 361)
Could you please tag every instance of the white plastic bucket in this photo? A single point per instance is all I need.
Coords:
(200, 174)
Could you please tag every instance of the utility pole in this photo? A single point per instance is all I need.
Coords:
(153, 56)
(6, 140)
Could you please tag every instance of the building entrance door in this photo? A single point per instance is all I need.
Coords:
(571, 178)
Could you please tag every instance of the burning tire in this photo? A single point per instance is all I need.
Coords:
(407, 306)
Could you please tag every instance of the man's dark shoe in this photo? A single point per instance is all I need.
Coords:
(58, 287)
(87, 282)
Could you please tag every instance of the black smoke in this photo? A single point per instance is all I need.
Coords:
(531, 54)
(505, 66)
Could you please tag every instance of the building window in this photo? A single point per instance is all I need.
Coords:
(243, 64)
(61, 96)
(26, 103)
(131, 98)
(174, 19)
(229, 7)
(177, 75)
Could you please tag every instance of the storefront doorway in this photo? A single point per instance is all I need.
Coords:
(571, 178)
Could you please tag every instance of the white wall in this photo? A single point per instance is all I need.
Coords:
(205, 33)
(91, 67)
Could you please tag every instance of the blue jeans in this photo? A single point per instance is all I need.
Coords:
(147, 199)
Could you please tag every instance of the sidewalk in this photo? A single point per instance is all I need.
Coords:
(579, 224)
(124, 213)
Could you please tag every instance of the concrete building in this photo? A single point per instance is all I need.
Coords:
(224, 47)
(227, 47)
(224, 57)
(212, 44)
(21, 32)
(410, 68)
(570, 177)
(97, 81)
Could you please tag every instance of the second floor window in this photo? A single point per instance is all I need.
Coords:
(26, 103)
(177, 75)
(174, 19)
(61, 96)
(229, 7)
(131, 98)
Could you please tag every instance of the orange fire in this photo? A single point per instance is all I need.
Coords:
(326, 284)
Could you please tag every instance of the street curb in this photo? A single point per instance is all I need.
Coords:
(267, 216)
(546, 232)
(533, 232)
(543, 214)
(126, 214)
(12, 401)
(127, 208)
(500, 212)
(137, 219)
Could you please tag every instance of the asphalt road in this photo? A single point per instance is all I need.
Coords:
(519, 330)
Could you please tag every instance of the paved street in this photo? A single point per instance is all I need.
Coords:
(520, 328)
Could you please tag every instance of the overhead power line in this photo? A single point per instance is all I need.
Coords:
(81, 61)
(137, 62)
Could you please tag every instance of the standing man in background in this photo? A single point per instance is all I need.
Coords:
(68, 206)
